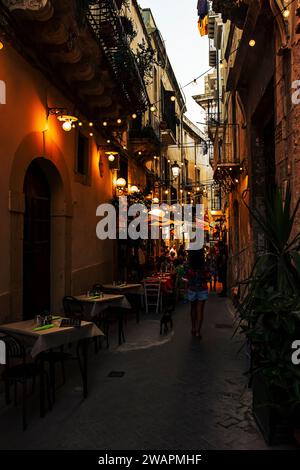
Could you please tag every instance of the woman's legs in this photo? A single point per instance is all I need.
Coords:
(199, 316)
(194, 316)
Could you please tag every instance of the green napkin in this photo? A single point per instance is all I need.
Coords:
(45, 327)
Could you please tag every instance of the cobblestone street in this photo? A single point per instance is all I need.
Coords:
(176, 393)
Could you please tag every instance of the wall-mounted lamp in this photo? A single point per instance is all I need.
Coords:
(121, 183)
(134, 189)
(111, 156)
(67, 120)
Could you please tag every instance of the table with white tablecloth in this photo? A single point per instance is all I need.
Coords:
(95, 305)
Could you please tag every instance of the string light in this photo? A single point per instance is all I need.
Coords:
(80, 124)
(173, 98)
(91, 124)
(119, 121)
(108, 141)
(91, 134)
(152, 108)
(134, 116)
(252, 42)
(105, 124)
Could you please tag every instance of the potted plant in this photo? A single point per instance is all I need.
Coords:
(270, 319)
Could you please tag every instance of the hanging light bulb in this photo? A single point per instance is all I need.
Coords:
(134, 116)
(155, 200)
(173, 98)
(91, 134)
(252, 42)
(286, 12)
(221, 64)
(152, 108)
(108, 141)
(111, 158)
(119, 121)
(166, 192)
(140, 153)
(105, 124)
(80, 124)
(67, 126)
(195, 82)
(91, 124)
(134, 189)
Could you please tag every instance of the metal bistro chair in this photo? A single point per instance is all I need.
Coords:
(152, 295)
(18, 371)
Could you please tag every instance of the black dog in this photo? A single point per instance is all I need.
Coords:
(165, 321)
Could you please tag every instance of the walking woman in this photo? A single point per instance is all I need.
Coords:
(197, 275)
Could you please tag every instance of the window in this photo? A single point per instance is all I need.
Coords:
(82, 162)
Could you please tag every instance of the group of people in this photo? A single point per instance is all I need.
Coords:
(198, 269)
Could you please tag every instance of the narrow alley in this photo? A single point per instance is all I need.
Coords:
(181, 394)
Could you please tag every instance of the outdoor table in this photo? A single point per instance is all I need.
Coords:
(41, 341)
(129, 290)
(124, 288)
(94, 305)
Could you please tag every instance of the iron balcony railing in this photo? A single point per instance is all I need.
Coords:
(105, 21)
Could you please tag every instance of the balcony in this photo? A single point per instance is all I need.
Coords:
(84, 47)
(145, 141)
(167, 137)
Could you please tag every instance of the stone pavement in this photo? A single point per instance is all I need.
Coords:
(177, 392)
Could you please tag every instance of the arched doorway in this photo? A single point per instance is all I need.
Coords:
(36, 242)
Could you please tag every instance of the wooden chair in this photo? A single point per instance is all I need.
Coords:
(152, 291)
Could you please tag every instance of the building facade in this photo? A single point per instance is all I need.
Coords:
(88, 98)
(255, 136)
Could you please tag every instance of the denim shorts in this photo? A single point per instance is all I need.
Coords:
(193, 295)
